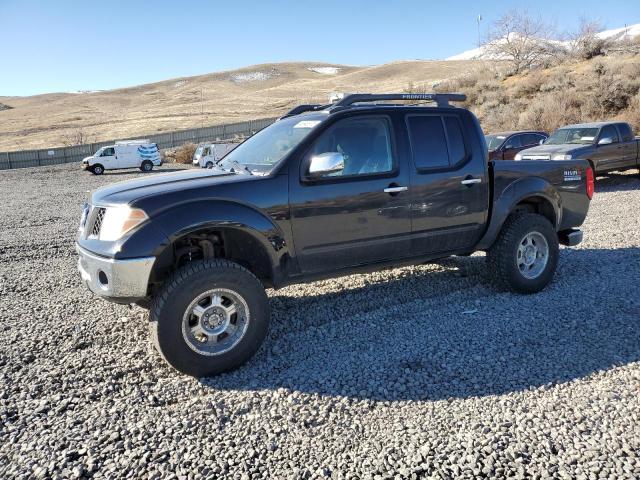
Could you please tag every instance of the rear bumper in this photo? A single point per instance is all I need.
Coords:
(571, 237)
(120, 281)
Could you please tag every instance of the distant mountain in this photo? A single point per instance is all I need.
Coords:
(623, 33)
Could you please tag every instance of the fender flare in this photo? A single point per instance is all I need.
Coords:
(510, 197)
(190, 217)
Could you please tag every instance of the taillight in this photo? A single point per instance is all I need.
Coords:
(590, 183)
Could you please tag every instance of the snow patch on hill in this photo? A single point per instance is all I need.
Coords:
(624, 33)
(252, 77)
(325, 70)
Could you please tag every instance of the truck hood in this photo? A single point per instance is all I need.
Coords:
(549, 150)
(129, 191)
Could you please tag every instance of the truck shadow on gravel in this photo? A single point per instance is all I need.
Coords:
(446, 334)
(618, 182)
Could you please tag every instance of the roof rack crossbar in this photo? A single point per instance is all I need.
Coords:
(304, 108)
(441, 99)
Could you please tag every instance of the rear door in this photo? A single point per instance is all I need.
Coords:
(359, 215)
(449, 191)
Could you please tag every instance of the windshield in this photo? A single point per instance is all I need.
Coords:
(494, 141)
(198, 153)
(261, 152)
(582, 136)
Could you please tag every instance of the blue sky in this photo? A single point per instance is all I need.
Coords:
(51, 46)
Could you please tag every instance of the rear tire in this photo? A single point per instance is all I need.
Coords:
(524, 257)
(146, 166)
(97, 169)
(191, 325)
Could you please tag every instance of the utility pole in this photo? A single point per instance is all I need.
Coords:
(479, 20)
(201, 108)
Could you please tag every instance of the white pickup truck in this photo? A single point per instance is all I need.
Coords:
(208, 154)
(140, 154)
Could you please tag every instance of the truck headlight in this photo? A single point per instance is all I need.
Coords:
(561, 156)
(118, 221)
(518, 156)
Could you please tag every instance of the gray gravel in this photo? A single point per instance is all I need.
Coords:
(409, 373)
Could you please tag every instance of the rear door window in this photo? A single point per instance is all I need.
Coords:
(436, 141)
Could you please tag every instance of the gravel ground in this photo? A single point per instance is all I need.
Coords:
(414, 372)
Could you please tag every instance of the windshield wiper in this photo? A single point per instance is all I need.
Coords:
(237, 164)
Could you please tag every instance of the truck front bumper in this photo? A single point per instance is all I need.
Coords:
(120, 281)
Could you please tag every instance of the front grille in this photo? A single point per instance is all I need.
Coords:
(97, 222)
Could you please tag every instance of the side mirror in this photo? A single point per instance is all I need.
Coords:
(542, 140)
(605, 141)
(326, 164)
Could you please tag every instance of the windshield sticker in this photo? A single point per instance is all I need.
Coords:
(306, 124)
(587, 139)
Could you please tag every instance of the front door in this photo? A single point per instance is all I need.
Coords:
(449, 196)
(108, 159)
(511, 147)
(608, 156)
(358, 215)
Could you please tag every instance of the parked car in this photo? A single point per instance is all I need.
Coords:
(140, 154)
(505, 145)
(607, 146)
(327, 190)
(208, 154)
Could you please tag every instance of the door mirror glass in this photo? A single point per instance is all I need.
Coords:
(327, 163)
(541, 141)
(605, 141)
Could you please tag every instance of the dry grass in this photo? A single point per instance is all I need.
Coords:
(602, 88)
(254, 92)
(183, 154)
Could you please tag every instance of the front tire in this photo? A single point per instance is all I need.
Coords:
(146, 166)
(525, 255)
(209, 165)
(97, 169)
(210, 317)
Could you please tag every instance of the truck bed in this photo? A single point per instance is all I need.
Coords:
(565, 179)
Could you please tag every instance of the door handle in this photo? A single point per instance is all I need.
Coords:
(396, 189)
(471, 181)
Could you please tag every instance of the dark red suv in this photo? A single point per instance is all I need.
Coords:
(505, 145)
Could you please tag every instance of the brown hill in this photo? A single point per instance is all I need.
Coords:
(267, 90)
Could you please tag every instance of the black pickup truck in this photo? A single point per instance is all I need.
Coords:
(325, 191)
(607, 146)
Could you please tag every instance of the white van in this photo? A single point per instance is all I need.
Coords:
(126, 154)
(208, 154)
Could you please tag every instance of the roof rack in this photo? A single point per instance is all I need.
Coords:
(441, 99)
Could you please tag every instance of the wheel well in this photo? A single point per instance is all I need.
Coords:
(229, 243)
(538, 205)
